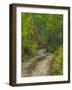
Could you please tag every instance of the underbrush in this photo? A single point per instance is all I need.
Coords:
(57, 62)
(52, 48)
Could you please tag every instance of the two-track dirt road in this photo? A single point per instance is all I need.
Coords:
(39, 65)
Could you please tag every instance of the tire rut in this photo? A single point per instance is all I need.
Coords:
(37, 66)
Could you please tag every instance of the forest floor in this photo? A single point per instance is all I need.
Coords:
(39, 65)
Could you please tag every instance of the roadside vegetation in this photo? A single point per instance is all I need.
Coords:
(57, 63)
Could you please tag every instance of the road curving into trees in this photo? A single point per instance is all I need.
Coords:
(39, 65)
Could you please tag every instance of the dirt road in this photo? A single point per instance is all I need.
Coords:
(39, 65)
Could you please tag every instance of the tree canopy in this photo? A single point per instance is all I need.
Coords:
(39, 30)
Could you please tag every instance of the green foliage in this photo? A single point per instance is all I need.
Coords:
(29, 46)
(57, 63)
(55, 22)
(52, 48)
(37, 29)
(33, 48)
(48, 25)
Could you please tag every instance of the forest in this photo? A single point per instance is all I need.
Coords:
(42, 34)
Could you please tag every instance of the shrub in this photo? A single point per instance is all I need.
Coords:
(33, 48)
(52, 48)
(57, 63)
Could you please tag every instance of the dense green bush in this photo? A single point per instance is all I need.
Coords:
(29, 51)
(52, 48)
(57, 63)
(33, 48)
